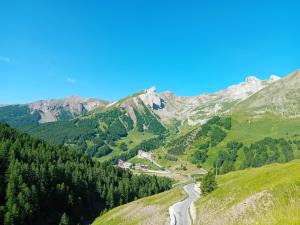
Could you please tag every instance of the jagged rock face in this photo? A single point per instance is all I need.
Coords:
(198, 109)
(50, 110)
(279, 98)
(152, 99)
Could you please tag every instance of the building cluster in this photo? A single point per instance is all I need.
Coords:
(127, 165)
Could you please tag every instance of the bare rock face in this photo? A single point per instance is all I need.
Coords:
(152, 99)
(50, 110)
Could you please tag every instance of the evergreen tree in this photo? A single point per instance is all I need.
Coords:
(208, 183)
(123, 147)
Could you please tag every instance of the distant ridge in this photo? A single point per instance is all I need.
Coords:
(280, 98)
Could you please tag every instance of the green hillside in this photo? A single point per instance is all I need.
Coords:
(99, 134)
(251, 131)
(267, 195)
(19, 116)
(149, 210)
(233, 143)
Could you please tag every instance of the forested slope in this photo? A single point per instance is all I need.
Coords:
(45, 184)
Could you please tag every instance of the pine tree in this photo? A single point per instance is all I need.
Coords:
(208, 183)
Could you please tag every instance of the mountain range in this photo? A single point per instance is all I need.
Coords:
(96, 126)
(167, 106)
(247, 125)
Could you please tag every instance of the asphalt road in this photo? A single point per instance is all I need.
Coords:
(179, 212)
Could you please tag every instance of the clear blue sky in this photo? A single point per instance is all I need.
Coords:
(109, 49)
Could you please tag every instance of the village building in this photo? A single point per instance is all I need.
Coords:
(146, 155)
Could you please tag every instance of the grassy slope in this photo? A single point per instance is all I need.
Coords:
(249, 131)
(243, 130)
(133, 139)
(150, 210)
(231, 202)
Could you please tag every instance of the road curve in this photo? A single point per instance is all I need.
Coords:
(179, 212)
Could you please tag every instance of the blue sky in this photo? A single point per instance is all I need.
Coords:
(110, 49)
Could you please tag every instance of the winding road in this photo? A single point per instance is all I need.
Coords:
(179, 212)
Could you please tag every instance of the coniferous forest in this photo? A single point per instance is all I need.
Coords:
(46, 184)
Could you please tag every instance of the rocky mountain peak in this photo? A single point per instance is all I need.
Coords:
(151, 90)
(152, 99)
(252, 79)
(279, 98)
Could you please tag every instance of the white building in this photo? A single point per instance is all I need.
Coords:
(147, 155)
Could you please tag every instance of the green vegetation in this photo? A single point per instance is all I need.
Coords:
(123, 147)
(253, 149)
(208, 182)
(179, 145)
(213, 130)
(61, 132)
(147, 145)
(96, 134)
(225, 160)
(150, 210)
(44, 184)
(91, 135)
(102, 151)
(266, 195)
(267, 151)
(145, 118)
(133, 139)
(171, 157)
(19, 116)
(210, 135)
(65, 115)
(228, 144)
(200, 155)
